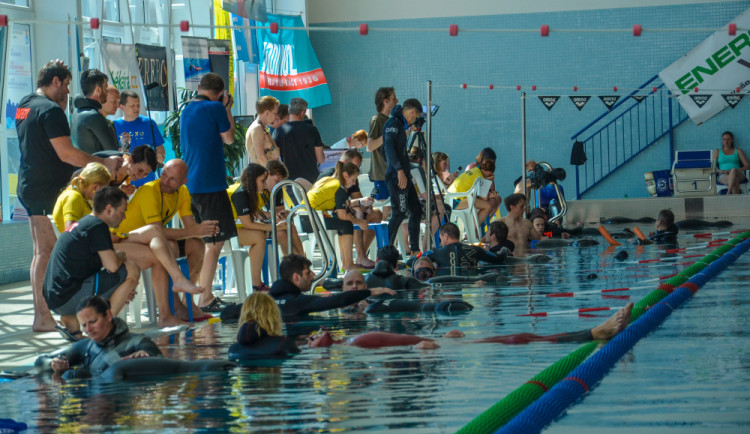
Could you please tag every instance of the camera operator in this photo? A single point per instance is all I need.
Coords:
(403, 194)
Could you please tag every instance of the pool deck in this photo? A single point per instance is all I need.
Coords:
(19, 345)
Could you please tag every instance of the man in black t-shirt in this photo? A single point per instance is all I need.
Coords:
(300, 143)
(84, 263)
(48, 159)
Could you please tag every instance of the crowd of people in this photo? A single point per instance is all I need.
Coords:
(98, 181)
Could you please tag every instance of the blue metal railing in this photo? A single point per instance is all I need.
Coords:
(629, 127)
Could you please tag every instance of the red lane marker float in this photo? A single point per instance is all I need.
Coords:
(675, 250)
(703, 235)
(562, 312)
(667, 277)
(643, 261)
(721, 240)
(597, 291)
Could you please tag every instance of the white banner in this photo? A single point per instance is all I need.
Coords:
(195, 60)
(121, 65)
(719, 65)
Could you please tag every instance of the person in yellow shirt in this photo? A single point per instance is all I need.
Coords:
(153, 206)
(332, 194)
(250, 203)
(464, 182)
(75, 201)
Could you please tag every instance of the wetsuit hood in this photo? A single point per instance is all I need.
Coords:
(284, 287)
(84, 104)
(397, 112)
(120, 329)
(383, 269)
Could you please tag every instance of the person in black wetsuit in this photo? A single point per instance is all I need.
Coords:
(666, 230)
(355, 281)
(498, 237)
(109, 341)
(454, 254)
(260, 333)
(296, 278)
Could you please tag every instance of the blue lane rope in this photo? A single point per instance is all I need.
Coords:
(553, 403)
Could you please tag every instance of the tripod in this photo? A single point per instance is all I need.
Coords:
(430, 181)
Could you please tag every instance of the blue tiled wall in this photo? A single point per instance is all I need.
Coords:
(470, 119)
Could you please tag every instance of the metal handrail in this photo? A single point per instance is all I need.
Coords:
(618, 104)
(327, 250)
(560, 197)
(626, 135)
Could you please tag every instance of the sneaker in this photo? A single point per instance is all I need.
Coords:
(216, 306)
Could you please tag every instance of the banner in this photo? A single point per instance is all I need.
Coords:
(220, 59)
(194, 60)
(20, 80)
(609, 100)
(715, 66)
(579, 101)
(549, 101)
(733, 99)
(245, 40)
(152, 62)
(121, 65)
(288, 65)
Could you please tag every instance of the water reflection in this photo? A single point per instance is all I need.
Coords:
(343, 388)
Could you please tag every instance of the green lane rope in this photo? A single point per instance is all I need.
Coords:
(515, 402)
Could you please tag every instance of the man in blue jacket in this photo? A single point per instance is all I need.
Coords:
(397, 173)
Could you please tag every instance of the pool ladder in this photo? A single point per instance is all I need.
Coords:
(327, 250)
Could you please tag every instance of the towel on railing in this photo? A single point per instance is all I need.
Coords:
(577, 155)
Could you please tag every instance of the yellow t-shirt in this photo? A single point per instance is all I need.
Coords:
(149, 205)
(322, 194)
(232, 190)
(71, 206)
(465, 181)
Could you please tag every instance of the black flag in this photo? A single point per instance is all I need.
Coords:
(733, 98)
(609, 100)
(549, 101)
(639, 98)
(700, 100)
(580, 101)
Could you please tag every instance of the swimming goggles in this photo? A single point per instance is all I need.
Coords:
(424, 273)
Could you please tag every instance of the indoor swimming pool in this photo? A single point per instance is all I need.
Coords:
(690, 375)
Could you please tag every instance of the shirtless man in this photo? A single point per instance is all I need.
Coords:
(260, 145)
(520, 230)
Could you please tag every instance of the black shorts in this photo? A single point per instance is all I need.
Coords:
(103, 284)
(42, 207)
(215, 206)
(342, 227)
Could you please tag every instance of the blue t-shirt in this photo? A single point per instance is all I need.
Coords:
(140, 132)
(201, 125)
(548, 193)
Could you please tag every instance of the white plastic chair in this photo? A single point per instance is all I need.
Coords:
(468, 216)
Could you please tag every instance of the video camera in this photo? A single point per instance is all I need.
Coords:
(539, 177)
(419, 122)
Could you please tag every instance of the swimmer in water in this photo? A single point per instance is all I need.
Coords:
(604, 331)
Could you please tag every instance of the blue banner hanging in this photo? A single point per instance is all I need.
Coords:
(288, 66)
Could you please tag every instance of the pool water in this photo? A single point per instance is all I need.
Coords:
(691, 375)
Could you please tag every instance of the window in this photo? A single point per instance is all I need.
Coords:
(21, 3)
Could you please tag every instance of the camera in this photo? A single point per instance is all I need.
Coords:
(539, 177)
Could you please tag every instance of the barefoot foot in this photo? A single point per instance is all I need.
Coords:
(186, 286)
(170, 322)
(615, 324)
(44, 324)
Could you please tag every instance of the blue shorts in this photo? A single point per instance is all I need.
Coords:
(380, 191)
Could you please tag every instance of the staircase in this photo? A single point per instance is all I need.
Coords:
(629, 127)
